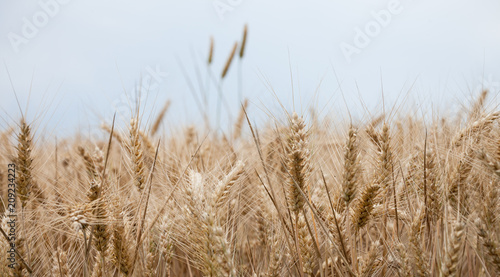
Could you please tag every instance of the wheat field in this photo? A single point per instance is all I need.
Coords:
(394, 195)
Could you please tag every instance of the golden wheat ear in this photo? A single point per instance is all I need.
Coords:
(238, 126)
(419, 256)
(211, 51)
(60, 263)
(478, 106)
(136, 155)
(24, 163)
(351, 167)
(120, 243)
(159, 118)
(229, 60)
(451, 264)
(364, 207)
(116, 135)
(297, 165)
(243, 41)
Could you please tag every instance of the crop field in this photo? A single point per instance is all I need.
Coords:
(393, 194)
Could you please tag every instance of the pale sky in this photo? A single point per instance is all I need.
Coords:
(78, 57)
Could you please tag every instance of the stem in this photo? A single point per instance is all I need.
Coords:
(85, 274)
(240, 80)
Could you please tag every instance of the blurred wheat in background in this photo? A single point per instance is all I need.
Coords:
(394, 195)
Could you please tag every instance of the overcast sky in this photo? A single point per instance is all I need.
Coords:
(78, 57)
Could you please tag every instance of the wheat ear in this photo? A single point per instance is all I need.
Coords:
(364, 207)
(225, 185)
(297, 162)
(243, 41)
(451, 263)
(135, 150)
(159, 118)
(229, 60)
(211, 51)
(478, 105)
(60, 263)
(120, 253)
(24, 162)
(238, 126)
(351, 167)
(418, 254)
